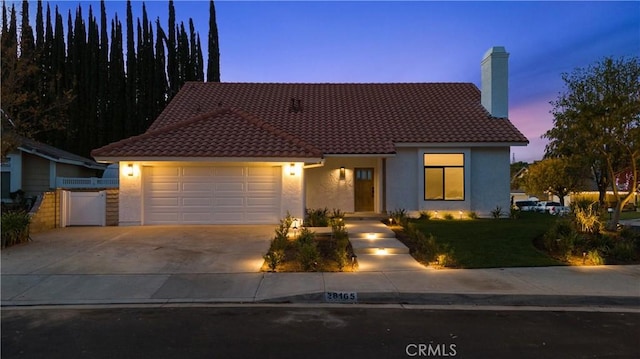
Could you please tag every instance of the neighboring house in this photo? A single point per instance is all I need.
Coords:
(250, 152)
(33, 167)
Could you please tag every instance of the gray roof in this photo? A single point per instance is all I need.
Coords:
(55, 154)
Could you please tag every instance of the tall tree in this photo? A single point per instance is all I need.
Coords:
(555, 176)
(213, 61)
(597, 120)
(172, 53)
(131, 93)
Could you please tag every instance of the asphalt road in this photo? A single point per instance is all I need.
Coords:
(312, 332)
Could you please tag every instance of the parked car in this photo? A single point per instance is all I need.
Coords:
(554, 208)
(526, 206)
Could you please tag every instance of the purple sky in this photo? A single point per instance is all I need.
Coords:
(416, 41)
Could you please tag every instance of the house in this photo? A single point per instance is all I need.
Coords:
(251, 152)
(34, 167)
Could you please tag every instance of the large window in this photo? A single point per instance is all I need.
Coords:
(444, 177)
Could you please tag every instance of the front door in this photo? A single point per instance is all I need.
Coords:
(364, 190)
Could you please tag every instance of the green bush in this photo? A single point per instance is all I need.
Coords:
(595, 257)
(305, 237)
(425, 215)
(400, 217)
(308, 255)
(448, 216)
(274, 258)
(337, 214)
(586, 216)
(316, 217)
(623, 250)
(15, 228)
(497, 212)
(472, 215)
(561, 237)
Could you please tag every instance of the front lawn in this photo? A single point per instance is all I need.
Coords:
(489, 243)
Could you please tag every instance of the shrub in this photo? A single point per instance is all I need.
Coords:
(623, 250)
(340, 254)
(595, 258)
(337, 214)
(426, 215)
(561, 237)
(472, 215)
(316, 217)
(448, 216)
(308, 255)
(305, 237)
(497, 212)
(426, 246)
(514, 213)
(586, 216)
(274, 258)
(15, 228)
(400, 217)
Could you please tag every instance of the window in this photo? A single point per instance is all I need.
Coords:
(444, 177)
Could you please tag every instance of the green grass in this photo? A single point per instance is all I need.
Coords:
(629, 215)
(490, 243)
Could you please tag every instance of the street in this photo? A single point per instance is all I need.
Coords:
(284, 331)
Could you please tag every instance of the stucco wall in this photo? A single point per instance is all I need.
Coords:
(325, 189)
(486, 181)
(292, 200)
(490, 180)
(130, 197)
(402, 180)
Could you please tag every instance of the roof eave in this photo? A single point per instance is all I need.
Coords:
(114, 159)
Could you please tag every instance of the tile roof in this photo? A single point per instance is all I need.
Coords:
(224, 132)
(56, 154)
(333, 118)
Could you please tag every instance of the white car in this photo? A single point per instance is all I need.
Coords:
(554, 208)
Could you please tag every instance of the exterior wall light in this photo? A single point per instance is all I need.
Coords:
(292, 169)
(129, 170)
(342, 173)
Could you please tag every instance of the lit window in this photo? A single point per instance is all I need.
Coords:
(444, 177)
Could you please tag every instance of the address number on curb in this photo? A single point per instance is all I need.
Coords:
(341, 297)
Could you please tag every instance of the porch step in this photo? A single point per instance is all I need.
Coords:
(373, 237)
(380, 246)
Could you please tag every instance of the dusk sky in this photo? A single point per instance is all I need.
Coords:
(417, 41)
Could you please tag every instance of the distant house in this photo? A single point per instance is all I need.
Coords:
(34, 167)
(250, 152)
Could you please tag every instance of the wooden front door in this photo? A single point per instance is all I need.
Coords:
(364, 190)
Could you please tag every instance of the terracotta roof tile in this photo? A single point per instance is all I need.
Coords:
(334, 118)
(224, 132)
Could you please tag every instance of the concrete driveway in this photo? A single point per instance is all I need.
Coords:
(140, 250)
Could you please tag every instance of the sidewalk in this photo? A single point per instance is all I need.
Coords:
(548, 286)
(390, 278)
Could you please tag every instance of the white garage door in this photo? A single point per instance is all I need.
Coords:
(211, 195)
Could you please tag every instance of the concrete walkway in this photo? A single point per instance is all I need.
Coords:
(91, 273)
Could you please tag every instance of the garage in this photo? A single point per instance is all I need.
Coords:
(211, 194)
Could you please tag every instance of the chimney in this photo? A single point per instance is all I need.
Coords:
(495, 82)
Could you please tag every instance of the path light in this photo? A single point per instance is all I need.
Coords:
(390, 220)
(610, 210)
(460, 212)
(436, 214)
(295, 227)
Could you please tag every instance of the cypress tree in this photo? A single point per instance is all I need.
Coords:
(160, 79)
(117, 82)
(131, 93)
(213, 60)
(39, 27)
(199, 61)
(27, 45)
(103, 128)
(173, 67)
